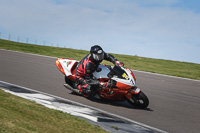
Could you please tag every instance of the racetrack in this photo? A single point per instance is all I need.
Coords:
(174, 102)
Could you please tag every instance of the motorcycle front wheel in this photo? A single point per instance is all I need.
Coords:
(139, 100)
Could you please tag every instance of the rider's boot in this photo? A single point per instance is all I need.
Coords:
(86, 90)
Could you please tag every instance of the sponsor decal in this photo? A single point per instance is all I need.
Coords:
(68, 63)
(137, 90)
(125, 76)
(132, 81)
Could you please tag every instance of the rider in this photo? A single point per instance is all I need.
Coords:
(86, 67)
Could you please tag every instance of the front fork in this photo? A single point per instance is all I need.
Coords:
(131, 92)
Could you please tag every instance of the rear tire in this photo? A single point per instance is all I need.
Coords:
(139, 100)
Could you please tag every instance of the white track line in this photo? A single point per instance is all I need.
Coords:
(166, 75)
(29, 53)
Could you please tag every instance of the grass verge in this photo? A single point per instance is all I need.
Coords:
(174, 68)
(18, 115)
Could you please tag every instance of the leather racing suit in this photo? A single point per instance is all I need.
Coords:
(84, 71)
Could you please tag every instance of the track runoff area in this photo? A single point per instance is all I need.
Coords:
(106, 120)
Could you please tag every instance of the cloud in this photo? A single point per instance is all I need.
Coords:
(150, 28)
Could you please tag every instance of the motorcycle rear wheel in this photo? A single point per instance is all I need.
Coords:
(139, 100)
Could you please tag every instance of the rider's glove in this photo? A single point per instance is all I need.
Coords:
(119, 63)
(105, 84)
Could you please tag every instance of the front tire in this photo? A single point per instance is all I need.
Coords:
(139, 100)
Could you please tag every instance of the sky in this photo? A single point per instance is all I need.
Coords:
(161, 29)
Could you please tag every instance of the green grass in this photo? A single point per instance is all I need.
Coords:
(18, 115)
(174, 68)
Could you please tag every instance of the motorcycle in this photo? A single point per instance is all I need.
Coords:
(123, 82)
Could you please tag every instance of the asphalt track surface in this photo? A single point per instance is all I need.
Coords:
(174, 102)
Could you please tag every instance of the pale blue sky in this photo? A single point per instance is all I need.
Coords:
(164, 29)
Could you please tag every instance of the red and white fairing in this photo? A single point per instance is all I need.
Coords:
(127, 80)
(67, 66)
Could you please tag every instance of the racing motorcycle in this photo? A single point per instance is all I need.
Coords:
(123, 82)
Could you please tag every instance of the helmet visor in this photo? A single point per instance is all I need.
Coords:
(98, 57)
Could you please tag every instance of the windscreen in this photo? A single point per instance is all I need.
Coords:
(118, 71)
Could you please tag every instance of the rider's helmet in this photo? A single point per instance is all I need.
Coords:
(97, 53)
